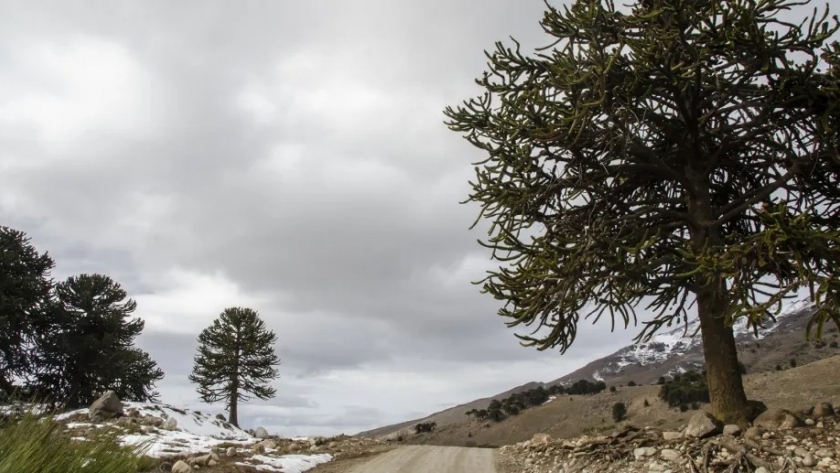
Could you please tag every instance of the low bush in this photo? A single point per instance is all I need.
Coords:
(619, 411)
(685, 389)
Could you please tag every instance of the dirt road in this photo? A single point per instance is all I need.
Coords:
(428, 459)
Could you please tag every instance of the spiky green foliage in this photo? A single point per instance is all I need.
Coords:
(25, 286)
(90, 348)
(235, 360)
(36, 444)
(684, 152)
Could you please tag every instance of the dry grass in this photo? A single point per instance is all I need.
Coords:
(571, 416)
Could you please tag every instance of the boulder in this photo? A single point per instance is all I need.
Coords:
(268, 443)
(181, 467)
(822, 410)
(775, 419)
(221, 417)
(702, 425)
(170, 424)
(107, 406)
(260, 433)
(230, 451)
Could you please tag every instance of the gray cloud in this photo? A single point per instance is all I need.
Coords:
(287, 157)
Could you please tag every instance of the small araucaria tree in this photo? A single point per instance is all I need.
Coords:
(235, 357)
(681, 155)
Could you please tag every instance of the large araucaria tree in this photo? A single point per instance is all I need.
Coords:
(679, 156)
(235, 360)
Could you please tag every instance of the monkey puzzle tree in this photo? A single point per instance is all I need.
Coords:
(25, 286)
(88, 347)
(235, 357)
(680, 153)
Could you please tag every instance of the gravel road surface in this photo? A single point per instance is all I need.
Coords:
(430, 459)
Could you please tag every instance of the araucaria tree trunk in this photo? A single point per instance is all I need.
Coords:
(684, 154)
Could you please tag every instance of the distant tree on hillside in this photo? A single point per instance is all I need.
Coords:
(235, 360)
(665, 157)
(684, 389)
(89, 346)
(25, 286)
(619, 411)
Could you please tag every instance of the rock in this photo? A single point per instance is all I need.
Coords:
(260, 433)
(671, 435)
(761, 469)
(133, 413)
(643, 452)
(181, 467)
(731, 430)
(170, 424)
(258, 448)
(540, 439)
(809, 421)
(800, 452)
(809, 460)
(776, 419)
(671, 455)
(212, 463)
(702, 425)
(221, 417)
(230, 451)
(107, 406)
(822, 410)
(268, 443)
(824, 453)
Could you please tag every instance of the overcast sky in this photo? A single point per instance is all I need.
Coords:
(288, 156)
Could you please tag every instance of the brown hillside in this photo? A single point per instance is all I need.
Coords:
(571, 416)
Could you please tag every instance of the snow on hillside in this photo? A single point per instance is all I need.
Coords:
(681, 340)
(194, 433)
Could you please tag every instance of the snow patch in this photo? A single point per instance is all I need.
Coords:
(287, 463)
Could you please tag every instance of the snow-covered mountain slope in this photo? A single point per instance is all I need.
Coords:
(680, 349)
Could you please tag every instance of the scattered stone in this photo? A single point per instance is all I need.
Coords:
(732, 430)
(702, 425)
(671, 455)
(643, 452)
(809, 421)
(671, 435)
(809, 460)
(540, 439)
(181, 467)
(230, 451)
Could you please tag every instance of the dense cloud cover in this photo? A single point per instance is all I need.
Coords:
(286, 156)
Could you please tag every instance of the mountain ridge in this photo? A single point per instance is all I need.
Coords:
(778, 342)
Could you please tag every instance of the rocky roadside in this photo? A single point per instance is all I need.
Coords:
(778, 441)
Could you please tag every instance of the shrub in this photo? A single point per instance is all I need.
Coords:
(742, 368)
(631, 383)
(695, 405)
(793, 363)
(612, 389)
(661, 380)
(778, 367)
(683, 407)
(833, 344)
(33, 444)
(647, 404)
(425, 427)
(683, 389)
(619, 411)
